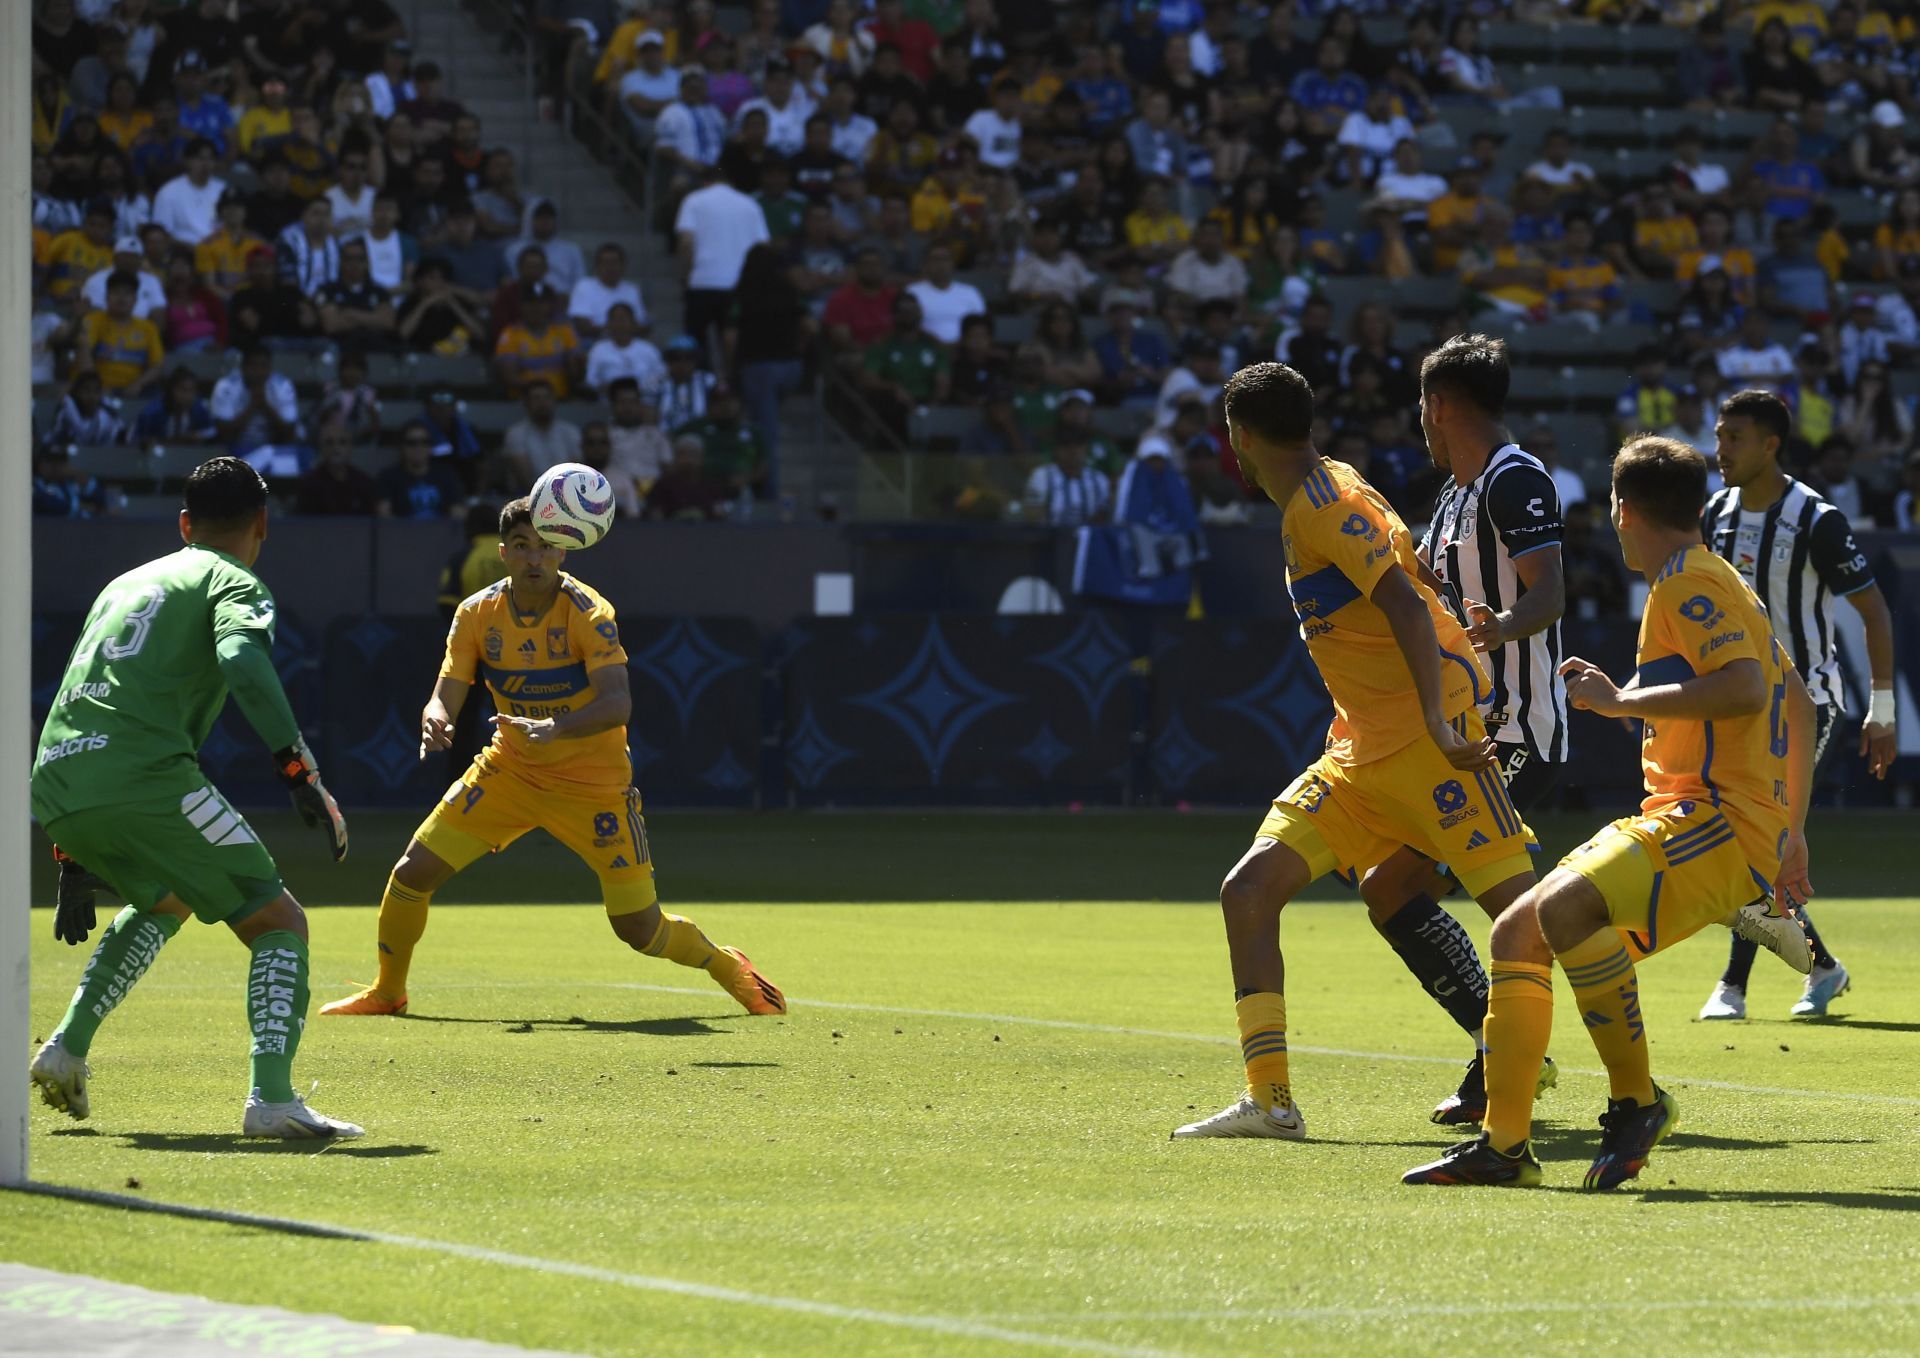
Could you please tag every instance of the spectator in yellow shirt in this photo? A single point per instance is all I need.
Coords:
(535, 346)
(1155, 231)
(949, 207)
(1806, 22)
(268, 122)
(1897, 238)
(1508, 277)
(124, 349)
(1717, 251)
(1581, 284)
(1454, 218)
(123, 120)
(75, 256)
(1661, 234)
(221, 259)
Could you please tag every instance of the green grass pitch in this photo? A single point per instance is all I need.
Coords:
(957, 1141)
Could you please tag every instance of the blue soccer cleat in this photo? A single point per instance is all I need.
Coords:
(1824, 986)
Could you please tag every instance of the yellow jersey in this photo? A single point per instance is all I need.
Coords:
(1340, 538)
(1738, 263)
(121, 351)
(221, 259)
(1701, 617)
(543, 355)
(542, 666)
(72, 259)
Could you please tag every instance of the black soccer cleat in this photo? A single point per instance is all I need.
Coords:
(1477, 1162)
(1628, 1134)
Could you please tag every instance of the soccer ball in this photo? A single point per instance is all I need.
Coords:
(572, 506)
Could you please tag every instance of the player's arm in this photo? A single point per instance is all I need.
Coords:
(611, 706)
(437, 718)
(1878, 741)
(1736, 689)
(1524, 510)
(1407, 615)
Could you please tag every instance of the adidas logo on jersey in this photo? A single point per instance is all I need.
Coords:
(1476, 840)
(619, 861)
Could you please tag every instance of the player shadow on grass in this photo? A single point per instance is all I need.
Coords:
(1586, 1140)
(234, 1143)
(1880, 1200)
(691, 1026)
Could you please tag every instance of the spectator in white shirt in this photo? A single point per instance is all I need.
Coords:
(588, 302)
(542, 439)
(1861, 340)
(256, 412)
(1198, 377)
(852, 129)
(649, 87)
(1205, 271)
(944, 302)
(391, 253)
(640, 447)
(1695, 182)
(1158, 146)
(996, 130)
(1047, 273)
(150, 302)
(787, 107)
(306, 253)
(1370, 133)
(713, 230)
(1753, 359)
(188, 205)
(352, 197)
(690, 133)
(1568, 178)
(1066, 492)
(1899, 313)
(391, 86)
(540, 225)
(1407, 188)
(621, 353)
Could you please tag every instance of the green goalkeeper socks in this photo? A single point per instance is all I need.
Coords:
(276, 1010)
(127, 948)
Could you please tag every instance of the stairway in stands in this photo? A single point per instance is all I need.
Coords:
(817, 465)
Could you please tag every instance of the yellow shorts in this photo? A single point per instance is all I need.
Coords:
(1337, 817)
(1668, 875)
(490, 807)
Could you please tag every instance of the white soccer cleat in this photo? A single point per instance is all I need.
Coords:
(294, 1121)
(62, 1078)
(1824, 986)
(1248, 1118)
(1764, 923)
(1726, 1002)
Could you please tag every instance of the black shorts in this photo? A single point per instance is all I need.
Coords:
(1528, 777)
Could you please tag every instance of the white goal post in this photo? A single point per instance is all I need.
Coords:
(16, 574)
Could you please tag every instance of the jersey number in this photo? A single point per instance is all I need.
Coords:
(1777, 723)
(123, 642)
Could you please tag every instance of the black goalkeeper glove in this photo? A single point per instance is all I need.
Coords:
(73, 917)
(310, 796)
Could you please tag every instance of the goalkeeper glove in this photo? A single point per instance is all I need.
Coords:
(73, 917)
(310, 796)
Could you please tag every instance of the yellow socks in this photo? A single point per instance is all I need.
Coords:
(679, 939)
(1519, 1023)
(403, 918)
(1608, 991)
(1263, 1046)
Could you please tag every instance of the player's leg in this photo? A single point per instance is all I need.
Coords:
(479, 814)
(611, 835)
(1310, 830)
(1400, 896)
(1829, 979)
(278, 992)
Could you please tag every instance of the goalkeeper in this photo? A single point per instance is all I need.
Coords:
(118, 785)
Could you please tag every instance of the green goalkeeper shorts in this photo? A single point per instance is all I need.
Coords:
(199, 849)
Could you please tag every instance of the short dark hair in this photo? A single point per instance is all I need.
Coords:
(1272, 400)
(223, 494)
(1473, 366)
(123, 280)
(623, 384)
(1764, 409)
(1662, 478)
(514, 513)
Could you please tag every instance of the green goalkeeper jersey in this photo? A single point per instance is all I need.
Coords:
(162, 646)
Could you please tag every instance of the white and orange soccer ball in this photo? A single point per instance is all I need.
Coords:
(572, 506)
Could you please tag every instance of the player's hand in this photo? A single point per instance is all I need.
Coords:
(539, 730)
(310, 796)
(1461, 752)
(1588, 687)
(1791, 886)
(436, 732)
(73, 915)
(1879, 745)
(1483, 627)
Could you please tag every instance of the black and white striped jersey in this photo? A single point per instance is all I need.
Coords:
(1477, 533)
(1798, 554)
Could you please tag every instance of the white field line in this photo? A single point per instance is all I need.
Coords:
(1113, 1030)
(1348, 1314)
(960, 1327)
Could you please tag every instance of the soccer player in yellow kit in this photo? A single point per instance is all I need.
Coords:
(549, 650)
(1727, 757)
(1407, 759)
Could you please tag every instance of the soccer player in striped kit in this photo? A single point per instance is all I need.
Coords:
(1492, 551)
(1797, 553)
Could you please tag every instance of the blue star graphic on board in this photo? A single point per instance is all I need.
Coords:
(1177, 756)
(392, 751)
(934, 700)
(726, 775)
(1046, 751)
(811, 753)
(1289, 704)
(1094, 659)
(684, 662)
(369, 636)
(640, 754)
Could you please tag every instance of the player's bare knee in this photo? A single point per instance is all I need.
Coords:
(637, 929)
(421, 869)
(1516, 933)
(1262, 883)
(1384, 894)
(1570, 910)
(282, 914)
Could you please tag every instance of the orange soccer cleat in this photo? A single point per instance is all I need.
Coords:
(755, 992)
(366, 1000)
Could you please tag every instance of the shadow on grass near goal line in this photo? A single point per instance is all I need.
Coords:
(1881, 1200)
(692, 1026)
(233, 1143)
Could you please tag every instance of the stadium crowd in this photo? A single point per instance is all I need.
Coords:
(1037, 236)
